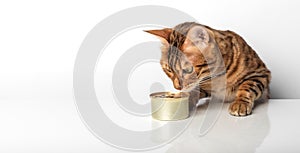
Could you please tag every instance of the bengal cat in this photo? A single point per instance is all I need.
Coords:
(191, 52)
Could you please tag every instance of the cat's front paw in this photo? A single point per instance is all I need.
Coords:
(240, 108)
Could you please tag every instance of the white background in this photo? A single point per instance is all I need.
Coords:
(39, 41)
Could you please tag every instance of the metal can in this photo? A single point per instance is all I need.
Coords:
(169, 106)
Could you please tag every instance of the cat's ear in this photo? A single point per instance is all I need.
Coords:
(199, 36)
(163, 34)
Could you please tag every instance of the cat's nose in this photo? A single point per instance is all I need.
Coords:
(177, 84)
(178, 87)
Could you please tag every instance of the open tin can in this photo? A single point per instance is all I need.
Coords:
(169, 106)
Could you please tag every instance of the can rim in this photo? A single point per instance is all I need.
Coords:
(157, 94)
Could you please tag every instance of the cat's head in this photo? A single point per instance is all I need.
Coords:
(182, 53)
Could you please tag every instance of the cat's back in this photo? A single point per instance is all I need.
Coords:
(241, 61)
(227, 39)
(233, 46)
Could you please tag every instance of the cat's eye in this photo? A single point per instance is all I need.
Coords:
(188, 70)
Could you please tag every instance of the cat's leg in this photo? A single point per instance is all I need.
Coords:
(203, 93)
(248, 92)
(196, 95)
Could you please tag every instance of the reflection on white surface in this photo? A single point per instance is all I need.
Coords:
(54, 126)
(229, 134)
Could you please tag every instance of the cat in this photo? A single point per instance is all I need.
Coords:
(191, 52)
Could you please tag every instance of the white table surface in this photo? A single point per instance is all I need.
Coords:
(38, 126)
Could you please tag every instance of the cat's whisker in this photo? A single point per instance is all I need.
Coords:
(201, 81)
